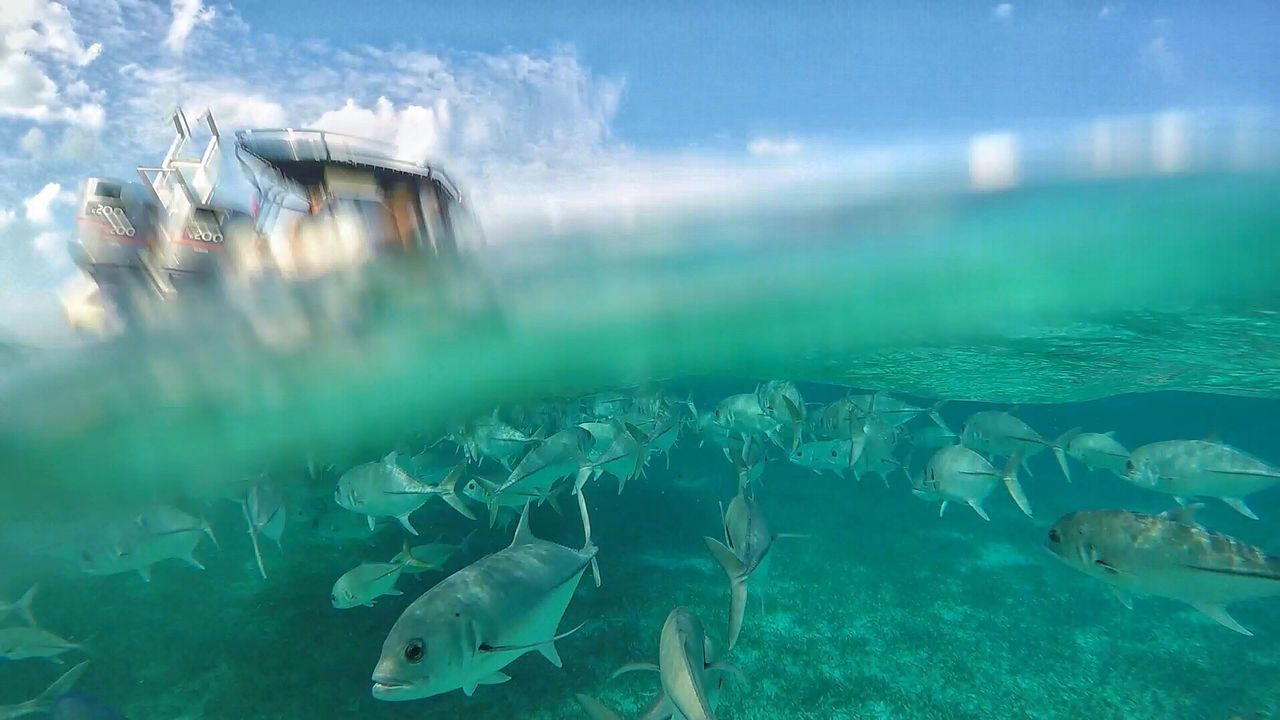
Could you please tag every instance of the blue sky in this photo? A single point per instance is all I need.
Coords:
(528, 100)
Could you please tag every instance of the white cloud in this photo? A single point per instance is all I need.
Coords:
(38, 43)
(1003, 11)
(186, 15)
(52, 248)
(32, 142)
(994, 161)
(6, 217)
(766, 147)
(39, 207)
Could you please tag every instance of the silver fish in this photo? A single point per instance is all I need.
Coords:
(999, 434)
(465, 630)
(21, 643)
(1166, 555)
(744, 554)
(958, 474)
(22, 606)
(1097, 451)
(42, 703)
(1189, 468)
(550, 461)
(383, 489)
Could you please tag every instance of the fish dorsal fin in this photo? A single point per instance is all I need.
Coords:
(1185, 514)
(389, 459)
(524, 535)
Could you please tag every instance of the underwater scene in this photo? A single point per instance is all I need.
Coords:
(694, 483)
(677, 361)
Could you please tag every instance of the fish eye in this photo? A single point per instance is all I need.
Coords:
(1129, 466)
(1054, 536)
(834, 453)
(414, 651)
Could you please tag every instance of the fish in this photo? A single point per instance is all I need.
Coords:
(550, 461)
(931, 437)
(383, 489)
(165, 519)
(1167, 555)
(43, 704)
(366, 582)
(743, 415)
(22, 606)
(432, 556)
(999, 434)
(683, 665)
(896, 411)
(21, 643)
(1201, 468)
(823, 456)
(465, 630)
(958, 474)
(488, 492)
(264, 512)
(617, 448)
(744, 554)
(130, 548)
(491, 437)
(1098, 451)
(661, 706)
(783, 403)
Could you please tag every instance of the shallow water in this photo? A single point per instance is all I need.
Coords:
(1090, 304)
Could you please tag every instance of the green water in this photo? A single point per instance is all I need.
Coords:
(1088, 304)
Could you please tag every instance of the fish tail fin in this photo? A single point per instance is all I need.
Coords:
(208, 530)
(595, 709)
(737, 573)
(1060, 450)
(253, 537)
(1010, 477)
(23, 605)
(61, 686)
(588, 544)
(449, 491)
(935, 416)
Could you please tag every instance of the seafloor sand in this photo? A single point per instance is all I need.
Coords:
(886, 611)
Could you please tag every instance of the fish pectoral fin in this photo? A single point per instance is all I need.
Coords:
(728, 668)
(495, 678)
(1238, 505)
(977, 507)
(404, 520)
(1219, 614)
(1106, 566)
(487, 648)
(1124, 597)
(635, 667)
(595, 709)
(371, 522)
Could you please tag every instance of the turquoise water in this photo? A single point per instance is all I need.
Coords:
(1146, 307)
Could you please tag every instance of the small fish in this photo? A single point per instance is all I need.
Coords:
(744, 554)
(744, 415)
(782, 402)
(383, 489)
(1098, 451)
(45, 702)
(129, 548)
(22, 606)
(824, 456)
(366, 582)
(958, 474)
(1166, 555)
(21, 643)
(683, 665)
(1200, 468)
(432, 556)
(465, 630)
(494, 439)
(549, 462)
(165, 519)
(999, 434)
(617, 448)
(488, 492)
(265, 513)
(931, 437)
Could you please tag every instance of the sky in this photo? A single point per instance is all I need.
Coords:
(589, 101)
